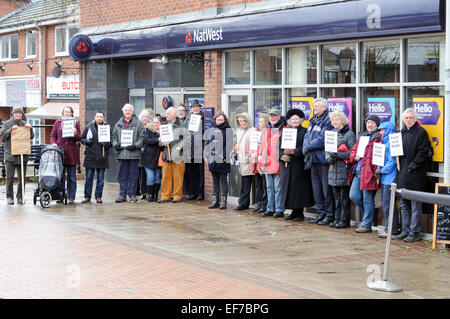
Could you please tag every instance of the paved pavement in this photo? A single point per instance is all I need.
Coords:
(184, 250)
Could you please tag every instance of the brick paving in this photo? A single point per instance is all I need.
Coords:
(150, 250)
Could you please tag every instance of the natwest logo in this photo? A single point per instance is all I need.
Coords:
(205, 35)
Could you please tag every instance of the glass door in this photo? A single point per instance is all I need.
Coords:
(236, 102)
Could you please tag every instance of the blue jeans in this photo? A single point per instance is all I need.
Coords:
(323, 193)
(71, 180)
(153, 176)
(411, 216)
(127, 176)
(385, 204)
(365, 200)
(90, 181)
(274, 193)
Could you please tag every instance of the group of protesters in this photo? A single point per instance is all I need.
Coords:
(284, 179)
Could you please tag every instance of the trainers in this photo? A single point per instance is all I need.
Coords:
(278, 215)
(133, 199)
(342, 225)
(267, 214)
(382, 234)
(412, 238)
(363, 230)
(400, 237)
(121, 199)
(176, 200)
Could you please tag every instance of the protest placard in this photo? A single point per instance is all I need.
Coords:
(331, 141)
(396, 144)
(166, 133)
(20, 141)
(254, 140)
(104, 134)
(126, 138)
(363, 141)
(378, 154)
(289, 138)
(67, 128)
(194, 122)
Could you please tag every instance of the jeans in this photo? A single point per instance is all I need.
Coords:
(323, 194)
(274, 193)
(71, 180)
(90, 181)
(385, 205)
(153, 176)
(127, 176)
(220, 180)
(365, 200)
(411, 216)
(342, 204)
(244, 199)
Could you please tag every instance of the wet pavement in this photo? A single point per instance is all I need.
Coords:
(185, 250)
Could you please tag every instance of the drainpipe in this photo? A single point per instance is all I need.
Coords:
(41, 83)
(447, 98)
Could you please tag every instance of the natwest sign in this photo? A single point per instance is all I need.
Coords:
(205, 35)
(63, 87)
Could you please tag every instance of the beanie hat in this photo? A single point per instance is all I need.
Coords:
(297, 112)
(18, 109)
(374, 118)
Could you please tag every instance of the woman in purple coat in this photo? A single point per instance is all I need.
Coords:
(71, 151)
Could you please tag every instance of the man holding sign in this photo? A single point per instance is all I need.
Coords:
(66, 133)
(127, 139)
(96, 137)
(412, 175)
(12, 162)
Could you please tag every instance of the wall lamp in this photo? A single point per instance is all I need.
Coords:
(2, 67)
(59, 63)
(30, 66)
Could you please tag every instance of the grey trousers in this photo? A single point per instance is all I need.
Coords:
(10, 170)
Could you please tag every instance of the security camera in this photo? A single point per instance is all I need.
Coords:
(163, 60)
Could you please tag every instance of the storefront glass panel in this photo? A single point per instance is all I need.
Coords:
(383, 102)
(302, 65)
(265, 99)
(343, 97)
(381, 61)
(426, 59)
(339, 63)
(268, 66)
(237, 67)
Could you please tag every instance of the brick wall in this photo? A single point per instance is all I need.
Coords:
(96, 13)
(7, 6)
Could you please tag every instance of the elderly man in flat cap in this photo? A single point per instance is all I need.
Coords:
(12, 162)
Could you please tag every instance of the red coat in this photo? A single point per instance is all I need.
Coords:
(368, 177)
(269, 148)
(71, 151)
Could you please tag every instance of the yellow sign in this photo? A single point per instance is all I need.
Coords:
(430, 113)
(306, 105)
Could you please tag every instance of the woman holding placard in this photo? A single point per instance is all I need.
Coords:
(144, 117)
(216, 150)
(296, 185)
(362, 178)
(150, 157)
(66, 133)
(338, 172)
(243, 133)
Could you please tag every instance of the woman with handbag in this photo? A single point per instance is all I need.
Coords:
(216, 149)
(243, 133)
(150, 158)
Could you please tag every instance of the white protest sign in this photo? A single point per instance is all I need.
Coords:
(378, 154)
(166, 133)
(396, 144)
(194, 122)
(289, 138)
(363, 141)
(127, 138)
(254, 140)
(67, 128)
(104, 134)
(331, 141)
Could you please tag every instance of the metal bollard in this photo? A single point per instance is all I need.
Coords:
(384, 284)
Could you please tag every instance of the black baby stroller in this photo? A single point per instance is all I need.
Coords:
(51, 171)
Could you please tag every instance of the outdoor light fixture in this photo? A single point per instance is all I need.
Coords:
(2, 67)
(59, 63)
(346, 58)
(30, 66)
(164, 60)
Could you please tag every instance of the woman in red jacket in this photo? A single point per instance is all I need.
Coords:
(362, 178)
(71, 151)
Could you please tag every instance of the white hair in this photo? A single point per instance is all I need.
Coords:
(321, 101)
(409, 110)
(128, 105)
(144, 113)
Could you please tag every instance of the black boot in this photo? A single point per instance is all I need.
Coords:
(214, 202)
(156, 188)
(292, 215)
(223, 202)
(150, 193)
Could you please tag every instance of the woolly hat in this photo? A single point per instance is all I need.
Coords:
(297, 112)
(18, 109)
(374, 118)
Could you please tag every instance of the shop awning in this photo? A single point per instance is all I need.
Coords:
(53, 110)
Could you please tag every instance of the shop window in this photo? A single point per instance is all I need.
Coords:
(139, 74)
(9, 47)
(339, 63)
(167, 75)
(342, 99)
(62, 38)
(302, 65)
(381, 62)
(265, 99)
(383, 102)
(268, 66)
(426, 59)
(237, 67)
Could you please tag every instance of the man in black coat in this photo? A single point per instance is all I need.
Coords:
(96, 158)
(412, 175)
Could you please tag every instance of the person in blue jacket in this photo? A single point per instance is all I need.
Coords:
(388, 174)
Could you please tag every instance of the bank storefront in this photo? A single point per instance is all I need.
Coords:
(374, 56)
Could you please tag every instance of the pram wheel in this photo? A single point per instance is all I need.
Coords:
(34, 196)
(45, 199)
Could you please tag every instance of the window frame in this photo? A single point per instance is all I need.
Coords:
(9, 36)
(30, 56)
(67, 38)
